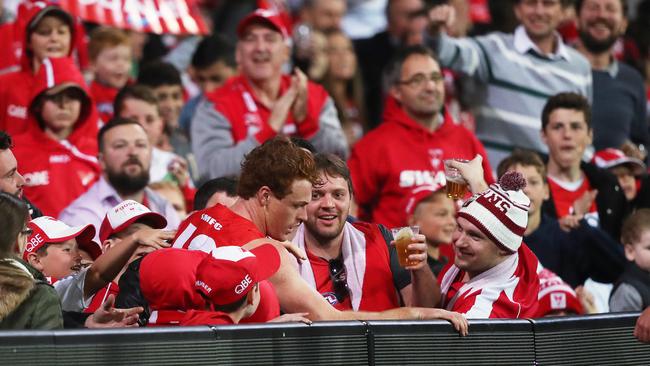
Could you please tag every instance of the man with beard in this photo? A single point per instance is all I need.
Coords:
(124, 158)
(516, 73)
(619, 101)
(354, 266)
(416, 136)
(11, 181)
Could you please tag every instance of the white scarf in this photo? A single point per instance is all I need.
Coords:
(354, 260)
(499, 274)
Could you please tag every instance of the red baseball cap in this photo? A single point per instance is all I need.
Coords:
(126, 213)
(263, 16)
(556, 295)
(231, 272)
(418, 194)
(609, 158)
(48, 230)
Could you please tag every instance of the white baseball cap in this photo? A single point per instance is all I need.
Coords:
(126, 213)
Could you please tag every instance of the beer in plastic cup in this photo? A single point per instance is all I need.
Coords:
(402, 237)
(456, 186)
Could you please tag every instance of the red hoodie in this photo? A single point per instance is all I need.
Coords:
(57, 172)
(400, 155)
(15, 87)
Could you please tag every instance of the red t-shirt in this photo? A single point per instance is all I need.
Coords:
(379, 290)
(564, 196)
(218, 226)
(324, 284)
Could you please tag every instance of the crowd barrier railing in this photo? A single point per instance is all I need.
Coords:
(591, 340)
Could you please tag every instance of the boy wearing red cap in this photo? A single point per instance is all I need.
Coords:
(52, 248)
(429, 208)
(58, 151)
(627, 170)
(129, 225)
(556, 298)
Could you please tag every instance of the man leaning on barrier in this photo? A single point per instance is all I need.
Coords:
(274, 189)
(494, 274)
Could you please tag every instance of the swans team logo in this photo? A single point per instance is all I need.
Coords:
(436, 159)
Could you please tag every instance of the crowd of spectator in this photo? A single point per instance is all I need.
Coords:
(254, 174)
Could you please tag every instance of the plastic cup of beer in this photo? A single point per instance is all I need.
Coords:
(402, 237)
(456, 187)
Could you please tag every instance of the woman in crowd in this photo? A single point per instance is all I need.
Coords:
(27, 301)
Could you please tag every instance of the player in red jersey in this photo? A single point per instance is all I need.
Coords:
(275, 187)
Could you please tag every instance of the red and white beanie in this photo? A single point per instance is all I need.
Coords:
(501, 211)
(556, 295)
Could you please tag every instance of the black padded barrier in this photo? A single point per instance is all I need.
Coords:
(146, 346)
(322, 343)
(603, 339)
(591, 340)
(495, 342)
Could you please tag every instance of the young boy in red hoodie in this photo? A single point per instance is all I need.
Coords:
(48, 32)
(110, 59)
(58, 151)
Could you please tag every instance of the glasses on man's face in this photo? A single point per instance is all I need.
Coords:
(339, 279)
(419, 80)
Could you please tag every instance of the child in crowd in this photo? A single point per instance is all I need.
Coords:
(52, 248)
(165, 81)
(110, 59)
(49, 31)
(58, 151)
(556, 298)
(212, 64)
(129, 225)
(169, 190)
(632, 290)
(434, 213)
(576, 189)
(631, 173)
(578, 254)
